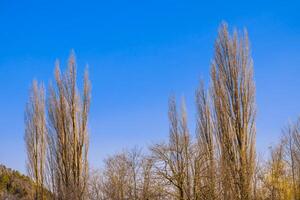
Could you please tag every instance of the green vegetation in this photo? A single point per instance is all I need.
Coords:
(14, 185)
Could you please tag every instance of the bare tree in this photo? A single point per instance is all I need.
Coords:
(95, 186)
(68, 134)
(294, 145)
(35, 138)
(205, 170)
(291, 142)
(129, 175)
(116, 178)
(172, 160)
(219, 164)
(233, 95)
(151, 187)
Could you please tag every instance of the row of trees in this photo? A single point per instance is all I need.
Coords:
(218, 162)
(162, 174)
(56, 136)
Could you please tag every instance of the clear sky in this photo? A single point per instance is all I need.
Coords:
(140, 52)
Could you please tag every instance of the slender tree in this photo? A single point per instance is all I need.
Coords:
(233, 95)
(173, 160)
(68, 134)
(35, 138)
(205, 175)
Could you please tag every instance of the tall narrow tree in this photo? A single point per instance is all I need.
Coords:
(35, 138)
(205, 170)
(233, 95)
(68, 133)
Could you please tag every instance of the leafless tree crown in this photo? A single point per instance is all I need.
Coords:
(217, 162)
(35, 137)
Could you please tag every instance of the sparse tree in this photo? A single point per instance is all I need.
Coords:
(205, 167)
(129, 175)
(233, 95)
(277, 179)
(68, 134)
(35, 138)
(173, 160)
(291, 142)
(95, 186)
(218, 164)
(295, 159)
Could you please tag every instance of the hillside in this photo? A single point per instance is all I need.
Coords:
(14, 185)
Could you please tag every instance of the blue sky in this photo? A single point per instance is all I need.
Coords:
(140, 52)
